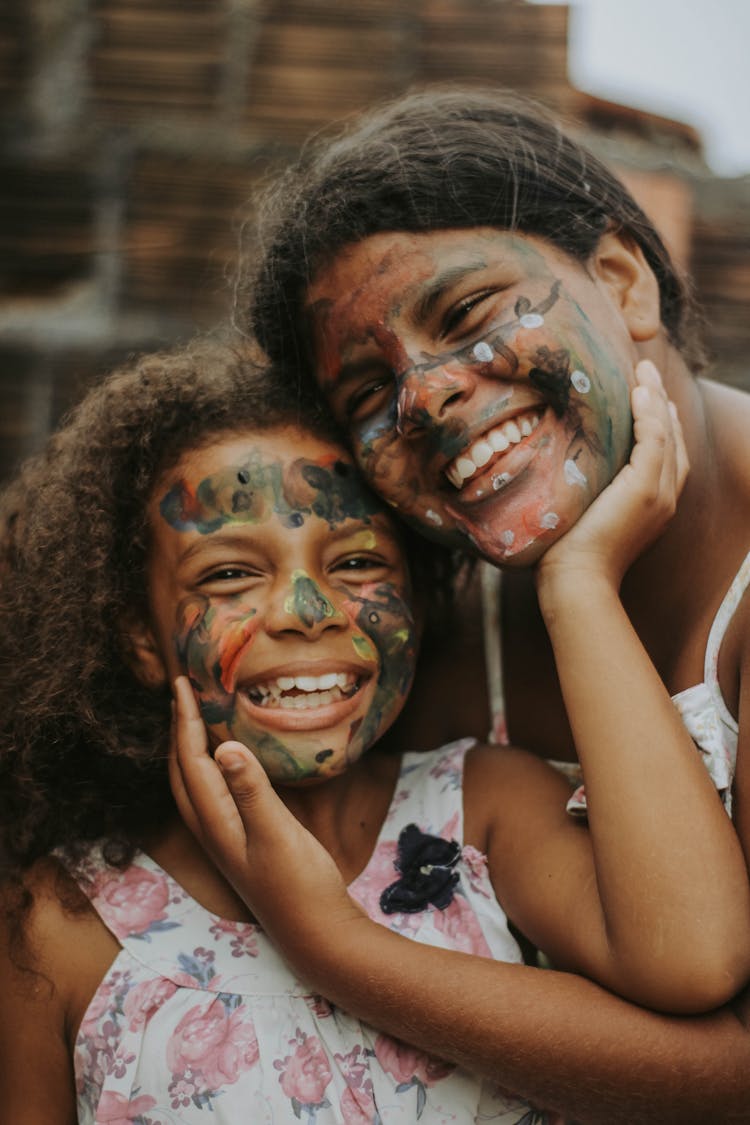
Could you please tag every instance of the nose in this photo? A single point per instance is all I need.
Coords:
(301, 606)
(427, 396)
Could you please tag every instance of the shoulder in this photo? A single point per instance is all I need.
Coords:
(55, 949)
(503, 786)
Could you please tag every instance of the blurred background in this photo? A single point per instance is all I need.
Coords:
(133, 133)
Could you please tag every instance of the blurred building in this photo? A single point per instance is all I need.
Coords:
(134, 131)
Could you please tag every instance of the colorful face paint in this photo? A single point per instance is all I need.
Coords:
(278, 585)
(484, 379)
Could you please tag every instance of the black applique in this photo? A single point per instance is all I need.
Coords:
(425, 864)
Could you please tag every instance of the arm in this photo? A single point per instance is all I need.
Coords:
(554, 1038)
(661, 910)
(36, 1068)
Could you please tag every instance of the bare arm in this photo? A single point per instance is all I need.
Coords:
(554, 1038)
(36, 1069)
(656, 904)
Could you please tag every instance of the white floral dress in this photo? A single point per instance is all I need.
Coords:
(199, 1020)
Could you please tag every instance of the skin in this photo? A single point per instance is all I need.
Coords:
(425, 343)
(257, 555)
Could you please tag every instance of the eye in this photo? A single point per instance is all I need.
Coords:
(457, 315)
(360, 567)
(226, 574)
(368, 397)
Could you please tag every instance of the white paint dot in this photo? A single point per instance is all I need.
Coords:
(508, 538)
(433, 517)
(573, 474)
(499, 480)
(550, 520)
(482, 351)
(580, 381)
(531, 320)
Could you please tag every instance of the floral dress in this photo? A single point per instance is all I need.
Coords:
(198, 1020)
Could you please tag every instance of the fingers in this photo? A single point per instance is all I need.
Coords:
(203, 799)
(659, 455)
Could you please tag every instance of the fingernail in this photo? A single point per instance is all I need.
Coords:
(229, 760)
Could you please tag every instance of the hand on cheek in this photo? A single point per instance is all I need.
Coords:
(278, 868)
(634, 509)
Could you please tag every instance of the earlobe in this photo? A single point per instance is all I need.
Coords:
(142, 654)
(619, 263)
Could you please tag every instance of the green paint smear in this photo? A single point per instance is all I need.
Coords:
(254, 491)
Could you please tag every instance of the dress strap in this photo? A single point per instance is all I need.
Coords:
(491, 590)
(724, 615)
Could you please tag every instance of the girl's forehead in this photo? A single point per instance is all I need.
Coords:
(391, 269)
(287, 474)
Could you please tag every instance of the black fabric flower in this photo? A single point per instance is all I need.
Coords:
(426, 867)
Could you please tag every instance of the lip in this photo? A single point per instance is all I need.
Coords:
(328, 716)
(511, 463)
(321, 718)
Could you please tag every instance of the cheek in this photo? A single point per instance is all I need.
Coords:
(382, 617)
(211, 641)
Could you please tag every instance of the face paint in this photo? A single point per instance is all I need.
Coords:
(279, 586)
(307, 601)
(484, 379)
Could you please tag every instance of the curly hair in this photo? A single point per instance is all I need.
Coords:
(444, 158)
(82, 742)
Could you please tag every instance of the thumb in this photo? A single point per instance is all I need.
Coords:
(245, 777)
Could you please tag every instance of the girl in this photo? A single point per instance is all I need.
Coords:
(185, 522)
(472, 291)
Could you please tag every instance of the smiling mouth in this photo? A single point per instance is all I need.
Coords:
(304, 693)
(491, 446)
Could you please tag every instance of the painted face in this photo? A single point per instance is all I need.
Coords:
(483, 377)
(279, 586)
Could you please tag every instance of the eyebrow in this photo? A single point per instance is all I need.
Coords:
(213, 539)
(437, 287)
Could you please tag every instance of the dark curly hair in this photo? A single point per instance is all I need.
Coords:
(82, 742)
(443, 159)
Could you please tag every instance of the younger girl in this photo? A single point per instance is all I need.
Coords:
(187, 522)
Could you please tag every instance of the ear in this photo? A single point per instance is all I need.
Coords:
(620, 265)
(142, 653)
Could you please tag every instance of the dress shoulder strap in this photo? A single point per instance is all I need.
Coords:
(429, 792)
(491, 592)
(724, 615)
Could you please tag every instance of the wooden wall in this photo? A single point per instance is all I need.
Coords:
(133, 132)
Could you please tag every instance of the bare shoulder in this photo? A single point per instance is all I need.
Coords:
(54, 953)
(505, 786)
(43, 947)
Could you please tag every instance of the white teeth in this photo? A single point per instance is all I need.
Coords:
(482, 451)
(465, 467)
(498, 441)
(317, 690)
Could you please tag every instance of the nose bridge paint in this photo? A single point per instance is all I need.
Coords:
(307, 602)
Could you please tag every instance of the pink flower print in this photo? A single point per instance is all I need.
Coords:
(305, 1074)
(461, 926)
(115, 1109)
(319, 1006)
(410, 1067)
(133, 901)
(368, 887)
(146, 999)
(213, 1045)
(357, 1103)
(477, 870)
(358, 1108)
(242, 941)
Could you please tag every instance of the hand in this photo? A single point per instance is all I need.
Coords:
(286, 878)
(633, 510)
